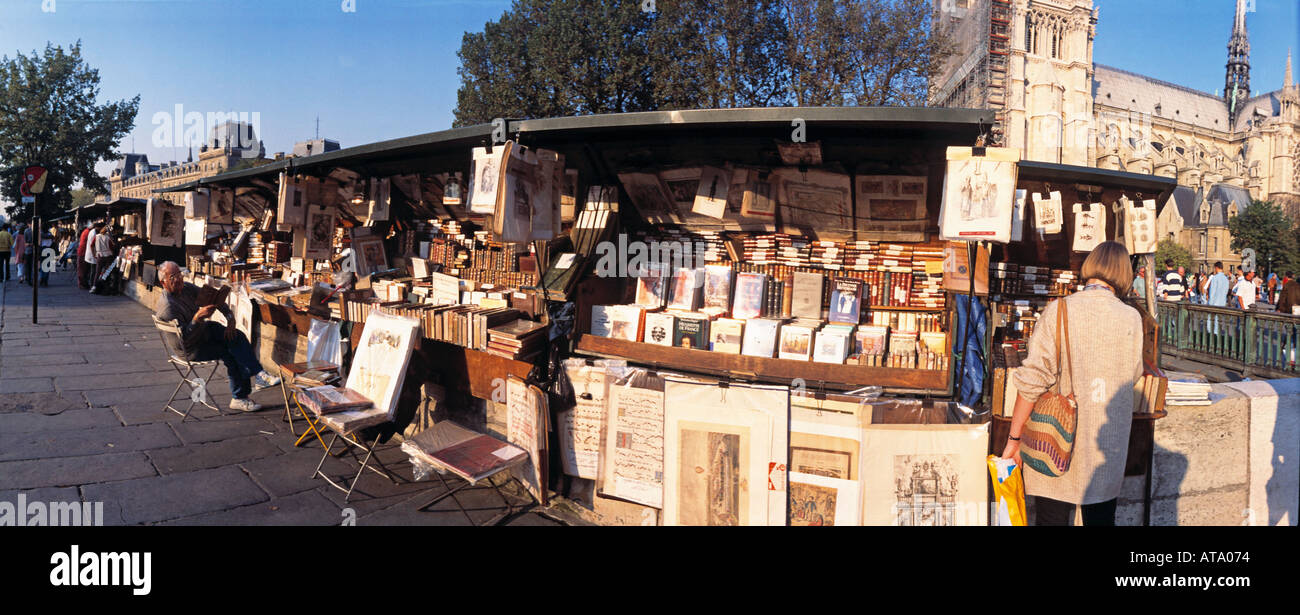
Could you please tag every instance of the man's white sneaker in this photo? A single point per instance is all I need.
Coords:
(245, 405)
(264, 380)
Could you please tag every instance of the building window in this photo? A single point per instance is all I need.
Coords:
(1031, 38)
(1056, 43)
(1202, 244)
(1216, 246)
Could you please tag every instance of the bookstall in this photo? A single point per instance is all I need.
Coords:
(661, 309)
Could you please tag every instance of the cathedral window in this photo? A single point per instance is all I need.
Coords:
(1031, 35)
(1056, 43)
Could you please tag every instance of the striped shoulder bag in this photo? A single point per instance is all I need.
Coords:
(1047, 443)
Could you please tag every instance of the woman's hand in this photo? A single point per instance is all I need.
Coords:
(1012, 451)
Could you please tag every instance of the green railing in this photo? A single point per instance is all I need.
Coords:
(1252, 343)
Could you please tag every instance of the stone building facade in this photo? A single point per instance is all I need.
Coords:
(228, 145)
(1031, 62)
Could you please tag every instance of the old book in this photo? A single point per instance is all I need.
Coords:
(299, 368)
(831, 346)
(349, 421)
(870, 340)
(659, 328)
(687, 289)
(625, 322)
(652, 286)
(601, 320)
(796, 343)
(209, 295)
(329, 399)
(846, 300)
(727, 335)
(760, 337)
(717, 289)
(691, 332)
(519, 329)
(751, 291)
(466, 453)
(807, 298)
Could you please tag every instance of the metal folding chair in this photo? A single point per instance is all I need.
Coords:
(447, 433)
(351, 442)
(290, 392)
(190, 375)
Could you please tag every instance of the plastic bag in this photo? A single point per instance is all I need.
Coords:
(323, 342)
(1008, 492)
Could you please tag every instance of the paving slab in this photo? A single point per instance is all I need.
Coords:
(43, 359)
(291, 472)
(26, 385)
(303, 508)
(81, 418)
(161, 498)
(78, 369)
(222, 428)
(64, 471)
(43, 403)
(211, 454)
(80, 442)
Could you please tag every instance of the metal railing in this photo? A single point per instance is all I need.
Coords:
(1252, 343)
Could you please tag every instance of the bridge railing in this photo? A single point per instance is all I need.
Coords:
(1252, 343)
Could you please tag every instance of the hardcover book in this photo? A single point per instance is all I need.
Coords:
(760, 337)
(659, 328)
(846, 300)
(717, 289)
(652, 286)
(727, 335)
(831, 347)
(806, 301)
(751, 291)
(691, 332)
(687, 289)
(625, 322)
(601, 320)
(796, 343)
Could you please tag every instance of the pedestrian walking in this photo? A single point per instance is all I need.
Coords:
(6, 250)
(20, 249)
(91, 262)
(1101, 360)
(82, 242)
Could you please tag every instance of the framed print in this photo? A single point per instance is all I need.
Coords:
(368, 252)
(320, 234)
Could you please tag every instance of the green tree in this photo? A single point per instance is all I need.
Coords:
(1266, 229)
(547, 58)
(82, 196)
(1168, 250)
(49, 117)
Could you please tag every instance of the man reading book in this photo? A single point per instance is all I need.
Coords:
(205, 340)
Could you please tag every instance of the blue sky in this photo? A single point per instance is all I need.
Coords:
(388, 69)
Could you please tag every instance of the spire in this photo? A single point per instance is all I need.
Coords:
(1286, 81)
(1237, 87)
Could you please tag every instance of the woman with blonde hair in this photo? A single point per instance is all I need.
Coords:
(1100, 362)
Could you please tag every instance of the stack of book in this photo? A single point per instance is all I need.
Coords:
(827, 255)
(1187, 391)
(927, 277)
(329, 399)
(468, 454)
(256, 251)
(278, 252)
(520, 340)
(859, 255)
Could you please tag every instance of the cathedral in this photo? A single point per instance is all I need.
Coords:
(1031, 62)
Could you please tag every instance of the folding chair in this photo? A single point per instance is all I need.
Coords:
(191, 375)
(288, 372)
(348, 425)
(484, 464)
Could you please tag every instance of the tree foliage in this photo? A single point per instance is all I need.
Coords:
(549, 58)
(1171, 250)
(1266, 229)
(49, 117)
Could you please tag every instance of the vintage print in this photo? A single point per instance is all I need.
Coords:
(812, 505)
(713, 486)
(978, 195)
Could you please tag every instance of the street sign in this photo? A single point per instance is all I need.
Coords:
(33, 182)
(29, 200)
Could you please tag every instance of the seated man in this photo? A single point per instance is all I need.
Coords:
(204, 340)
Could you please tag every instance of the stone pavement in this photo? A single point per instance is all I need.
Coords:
(80, 420)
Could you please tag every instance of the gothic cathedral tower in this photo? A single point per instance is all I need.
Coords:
(1049, 107)
(1236, 90)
